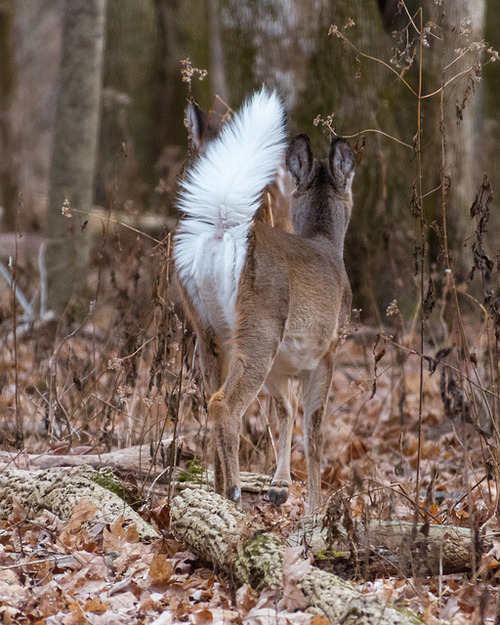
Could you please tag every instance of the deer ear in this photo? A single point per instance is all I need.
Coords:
(299, 159)
(342, 163)
(196, 123)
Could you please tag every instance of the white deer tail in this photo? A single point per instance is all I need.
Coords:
(218, 200)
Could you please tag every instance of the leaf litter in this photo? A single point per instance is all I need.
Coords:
(52, 572)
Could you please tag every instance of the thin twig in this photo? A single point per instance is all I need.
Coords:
(115, 221)
(422, 268)
(379, 132)
(371, 58)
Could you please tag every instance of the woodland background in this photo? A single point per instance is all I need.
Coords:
(94, 353)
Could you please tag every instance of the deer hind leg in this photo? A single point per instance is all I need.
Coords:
(248, 369)
(316, 387)
(211, 363)
(286, 404)
(211, 360)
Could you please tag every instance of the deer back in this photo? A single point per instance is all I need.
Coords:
(297, 283)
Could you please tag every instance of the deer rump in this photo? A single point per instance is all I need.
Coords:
(265, 304)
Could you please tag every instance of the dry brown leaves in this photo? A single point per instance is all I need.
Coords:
(50, 573)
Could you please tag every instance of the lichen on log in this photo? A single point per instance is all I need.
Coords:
(61, 489)
(219, 532)
(395, 547)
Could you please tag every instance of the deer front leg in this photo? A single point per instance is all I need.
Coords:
(285, 402)
(316, 387)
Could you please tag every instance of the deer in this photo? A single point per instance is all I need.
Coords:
(267, 306)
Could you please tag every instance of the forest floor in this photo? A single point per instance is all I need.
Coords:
(112, 381)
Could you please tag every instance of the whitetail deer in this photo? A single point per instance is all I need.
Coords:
(265, 304)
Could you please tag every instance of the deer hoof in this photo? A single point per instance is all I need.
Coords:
(233, 493)
(278, 493)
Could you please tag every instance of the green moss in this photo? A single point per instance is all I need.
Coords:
(109, 481)
(261, 542)
(327, 554)
(194, 471)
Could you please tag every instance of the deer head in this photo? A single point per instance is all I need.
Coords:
(322, 199)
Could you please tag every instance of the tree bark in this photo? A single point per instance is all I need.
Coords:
(217, 68)
(221, 533)
(384, 547)
(74, 147)
(136, 460)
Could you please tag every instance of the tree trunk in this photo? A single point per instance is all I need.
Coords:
(491, 115)
(462, 24)
(74, 147)
(8, 177)
(172, 100)
(217, 71)
(219, 532)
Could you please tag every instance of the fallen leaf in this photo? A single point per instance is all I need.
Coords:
(246, 598)
(96, 605)
(294, 570)
(164, 619)
(119, 533)
(161, 568)
(202, 617)
(83, 511)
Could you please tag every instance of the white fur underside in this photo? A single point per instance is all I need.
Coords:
(218, 200)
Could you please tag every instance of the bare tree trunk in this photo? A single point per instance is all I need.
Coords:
(463, 24)
(8, 178)
(74, 147)
(171, 78)
(491, 114)
(217, 70)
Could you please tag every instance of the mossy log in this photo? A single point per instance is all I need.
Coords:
(381, 547)
(396, 548)
(220, 533)
(61, 489)
(137, 460)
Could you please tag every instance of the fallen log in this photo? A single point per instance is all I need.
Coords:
(220, 533)
(137, 459)
(60, 490)
(381, 547)
(141, 460)
(395, 548)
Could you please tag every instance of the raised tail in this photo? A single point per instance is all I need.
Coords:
(218, 200)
